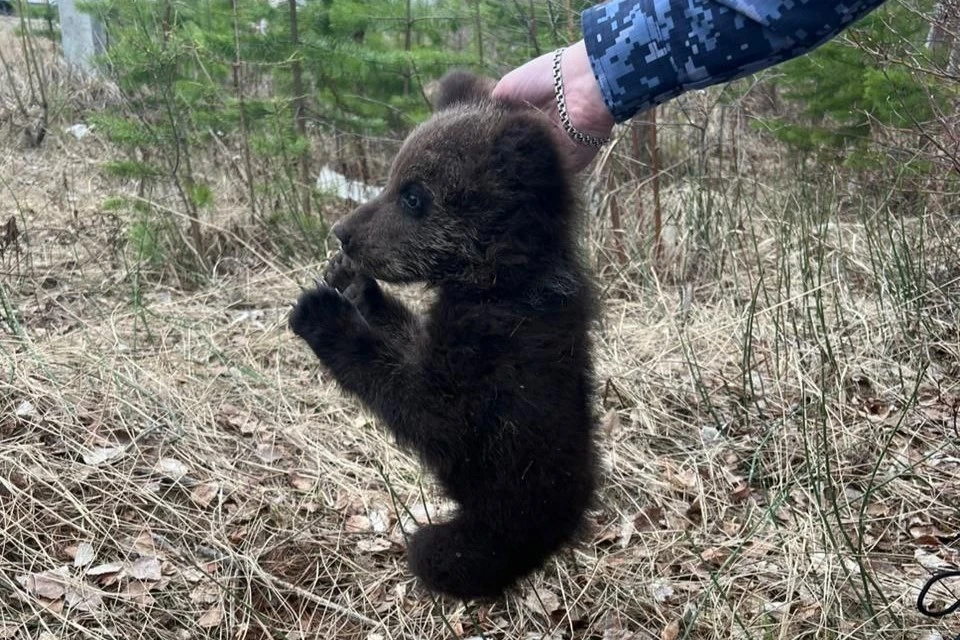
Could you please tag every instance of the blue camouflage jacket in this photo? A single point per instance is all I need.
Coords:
(646, 52)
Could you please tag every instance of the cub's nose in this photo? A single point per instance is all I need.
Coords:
(343, 234)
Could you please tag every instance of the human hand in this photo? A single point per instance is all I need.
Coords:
(532, 84)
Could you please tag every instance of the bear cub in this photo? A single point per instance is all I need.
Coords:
(492, 388)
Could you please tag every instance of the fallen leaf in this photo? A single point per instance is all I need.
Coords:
(211, 618)
(96, 457)
(852, 494)
(299, 481)
(269, 453)
(139, 593)
(50, 585)
(926, 534)
(908, 457)
(649, 518)
(103, 569)
(710, 435)
(683, 480)
(379, 520)
(203, 494)
(357, 524)
(603, 533)
(378, 593)
(83, 597)
(373, 545)
(542, 601)
(776, 609)
(84, 555)
(610, 422)
(671, 631)
(53, 606)
(206, 593)
(627, 529)
(171, 468)
(941, 410)
(930, 561)
(238, 536)
(145, 568)
(805, 611)
(24, 409)
(192, 574)
(661, 591)
(577, 613)
(42, 472)
(621, 634)
(144, 544)
(876, 410)
(611, 625)
(740, 493)
(714, 556)
(231, 417)
(228, 410)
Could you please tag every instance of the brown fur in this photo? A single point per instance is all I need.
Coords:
(493, 387)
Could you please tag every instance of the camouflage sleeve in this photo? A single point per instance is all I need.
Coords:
(646, 52)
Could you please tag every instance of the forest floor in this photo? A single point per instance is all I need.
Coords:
(780, 443)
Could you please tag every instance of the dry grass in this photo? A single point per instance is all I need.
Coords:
(780, 438)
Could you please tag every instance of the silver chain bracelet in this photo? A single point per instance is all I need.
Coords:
(582, 138)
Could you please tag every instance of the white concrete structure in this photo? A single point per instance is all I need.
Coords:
(82, 36)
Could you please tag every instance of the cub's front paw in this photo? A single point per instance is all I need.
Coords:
(322, 311)
(340, 272)
(362, 291)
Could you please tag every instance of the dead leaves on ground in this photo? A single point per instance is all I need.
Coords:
(87, 587)
(691, 499)
(232, 417)
(372, 527)
(696, 503)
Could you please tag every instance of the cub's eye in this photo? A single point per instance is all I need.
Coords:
(411, 201)
(414, 199)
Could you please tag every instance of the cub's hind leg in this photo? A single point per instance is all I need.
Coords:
(465, 558)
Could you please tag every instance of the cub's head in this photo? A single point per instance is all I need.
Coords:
(477, 195)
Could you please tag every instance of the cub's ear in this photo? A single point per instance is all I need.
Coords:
(526, 155)
(462, 87)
